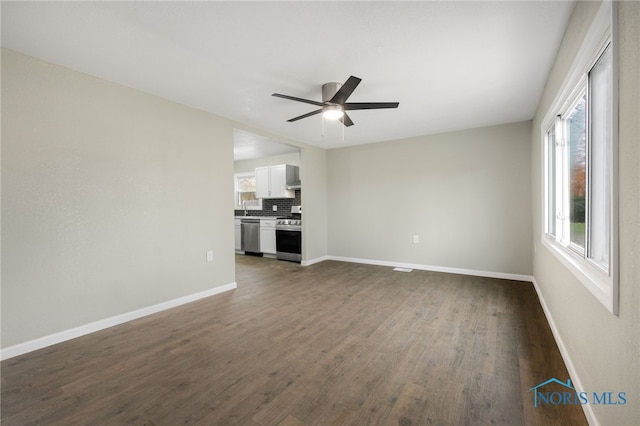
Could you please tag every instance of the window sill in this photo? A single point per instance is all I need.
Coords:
(593, 278)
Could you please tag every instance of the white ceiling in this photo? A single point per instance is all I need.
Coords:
(451, 65)
(249, 146)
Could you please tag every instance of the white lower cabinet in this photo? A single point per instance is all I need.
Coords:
(268, 236)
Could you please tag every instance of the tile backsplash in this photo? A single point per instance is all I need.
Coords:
(284, 206)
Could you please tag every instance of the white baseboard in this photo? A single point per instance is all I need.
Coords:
(315, 260)
(588, 410)
(488, 274)
(82, 330)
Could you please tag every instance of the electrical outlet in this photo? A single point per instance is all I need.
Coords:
(209, 256)
(275, 208)
(416, 239)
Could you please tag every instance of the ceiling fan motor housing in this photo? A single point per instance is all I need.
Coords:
(329, 90)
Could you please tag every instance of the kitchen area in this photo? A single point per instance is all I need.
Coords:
(268, 198)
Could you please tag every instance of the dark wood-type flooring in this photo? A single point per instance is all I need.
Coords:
(329, 344)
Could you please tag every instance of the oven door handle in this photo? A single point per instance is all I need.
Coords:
(288, 228)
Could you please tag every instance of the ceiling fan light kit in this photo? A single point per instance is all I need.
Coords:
(332, 112)
(334, 102)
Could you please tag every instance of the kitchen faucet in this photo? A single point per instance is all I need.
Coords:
(244, 206)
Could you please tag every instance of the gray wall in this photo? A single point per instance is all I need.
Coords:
(465, 194)
(110, 199)
(603, 348)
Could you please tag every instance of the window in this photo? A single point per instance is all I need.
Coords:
(576, 137)
(579, 155)
(245, 192)
(600, 92)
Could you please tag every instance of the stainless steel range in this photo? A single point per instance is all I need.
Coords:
(289, 236)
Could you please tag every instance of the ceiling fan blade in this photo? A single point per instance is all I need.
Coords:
(293, 98)
(346, 90)
(346, 120)
(309, 114)
(369, 105)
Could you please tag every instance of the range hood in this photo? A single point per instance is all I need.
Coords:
(294, 185)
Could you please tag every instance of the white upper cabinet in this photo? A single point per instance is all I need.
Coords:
(263, 189)
(273, 181)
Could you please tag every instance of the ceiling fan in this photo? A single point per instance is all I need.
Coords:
(334, 103)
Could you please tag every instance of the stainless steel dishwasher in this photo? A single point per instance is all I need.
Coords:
(250, 235)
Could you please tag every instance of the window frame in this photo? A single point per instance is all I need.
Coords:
(236, 187)
(602, 284)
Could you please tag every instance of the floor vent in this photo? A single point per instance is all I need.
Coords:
(403, 269)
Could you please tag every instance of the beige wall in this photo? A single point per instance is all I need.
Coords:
(313, 173)
(603, 348)
(110, 199)
(465, 194)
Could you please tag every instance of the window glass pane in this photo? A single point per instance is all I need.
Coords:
(551, 181)
(577, 140)
(247, 184)
(246, 195)
(601, 134)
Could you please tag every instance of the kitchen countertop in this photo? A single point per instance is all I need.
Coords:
(257, 217)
